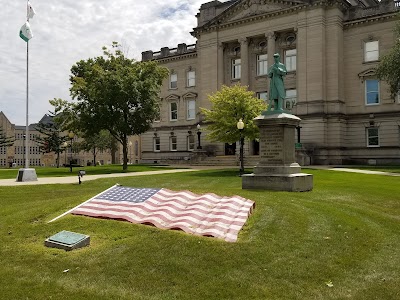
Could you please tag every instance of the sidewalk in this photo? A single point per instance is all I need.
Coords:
(351, 170)
(74, 179)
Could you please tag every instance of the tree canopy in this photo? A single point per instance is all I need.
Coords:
(228, 106)
(389, 65)
(51, 137)
(116, 94)
(5, 141)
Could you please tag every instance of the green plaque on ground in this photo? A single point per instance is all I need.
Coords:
(67, 240)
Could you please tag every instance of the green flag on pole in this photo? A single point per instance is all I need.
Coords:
(25, 33)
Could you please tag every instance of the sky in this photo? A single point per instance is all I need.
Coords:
(65, 32)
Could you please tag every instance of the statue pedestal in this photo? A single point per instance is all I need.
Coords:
(277, 169)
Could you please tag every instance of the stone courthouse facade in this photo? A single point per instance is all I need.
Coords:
(330, 48)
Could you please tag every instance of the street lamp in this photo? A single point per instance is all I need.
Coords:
(71, 137)
(240, 126)
(198, 136)
(65, 145)
(130, 152)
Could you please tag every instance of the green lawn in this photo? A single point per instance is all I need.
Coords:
(345, 232)
(93, 170)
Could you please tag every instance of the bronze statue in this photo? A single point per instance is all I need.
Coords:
(277, 91)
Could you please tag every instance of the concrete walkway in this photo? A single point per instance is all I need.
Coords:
(342, 169)
(74, 179)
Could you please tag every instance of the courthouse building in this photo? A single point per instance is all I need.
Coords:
(330, 48)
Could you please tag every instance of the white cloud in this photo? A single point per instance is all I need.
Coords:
(67, 31)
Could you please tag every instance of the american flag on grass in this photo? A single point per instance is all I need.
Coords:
(208, 214)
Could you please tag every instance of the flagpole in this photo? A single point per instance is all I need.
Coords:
(26, 174)
(27, 109)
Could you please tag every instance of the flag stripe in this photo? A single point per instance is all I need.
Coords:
(208, 214)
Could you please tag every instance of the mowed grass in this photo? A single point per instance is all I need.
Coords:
(390, 169)
(92, 170)
(345, 233)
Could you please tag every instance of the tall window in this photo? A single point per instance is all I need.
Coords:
(262, 96)
(191, 78)
(173, 108)
(190, 142)
(371, 51)
(173, 143)
(158, 117)
(290, 100)
(156, 144)
(191, 109)
(290, 59)
(262, 64)
(236, 68)
(371, 91)
(373, 137)
(173, 81)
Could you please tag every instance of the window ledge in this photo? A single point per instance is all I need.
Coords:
(370, 62)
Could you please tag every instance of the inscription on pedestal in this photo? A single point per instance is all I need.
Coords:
(271, 146)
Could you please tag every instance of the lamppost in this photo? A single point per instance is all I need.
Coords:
(130, 152)
(65, 145)
(240, 126)
(198, 136)
(71, 137)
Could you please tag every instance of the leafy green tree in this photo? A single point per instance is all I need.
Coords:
(116, 94)
(51, 138)
(389, 65)
(5, 141)
(228, 106)
(101, 141)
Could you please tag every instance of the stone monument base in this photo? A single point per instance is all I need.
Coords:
(26, 175)
(297, 182)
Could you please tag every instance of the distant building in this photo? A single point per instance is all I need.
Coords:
(330, 49)
(15, 154)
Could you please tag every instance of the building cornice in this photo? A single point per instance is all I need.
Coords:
(176, 57)
(217, 23)
(369, 19)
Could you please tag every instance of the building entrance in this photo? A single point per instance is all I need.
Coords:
(230, 149)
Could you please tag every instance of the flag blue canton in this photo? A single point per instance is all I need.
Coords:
(121, 193)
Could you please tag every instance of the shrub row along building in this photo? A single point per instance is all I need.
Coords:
(330, 48)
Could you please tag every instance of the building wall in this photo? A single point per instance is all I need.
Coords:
(329, 77)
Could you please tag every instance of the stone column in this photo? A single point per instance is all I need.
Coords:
(244, 56)
(271, 47)
(220, 67)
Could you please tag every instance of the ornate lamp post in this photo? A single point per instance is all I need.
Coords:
(71, 137)
(240, 126)
(198, 136)
(65, 145)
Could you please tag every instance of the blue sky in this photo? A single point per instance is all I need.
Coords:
(67, 31)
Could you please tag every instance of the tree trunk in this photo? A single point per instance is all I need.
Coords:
(113, 150)
(94, 156)
(58, 159)
(125, 153)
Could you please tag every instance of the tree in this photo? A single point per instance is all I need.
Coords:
(116, 94)
(5, 141)
(228, 106)
(50, 138)
(389, 66)
(98, 142)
